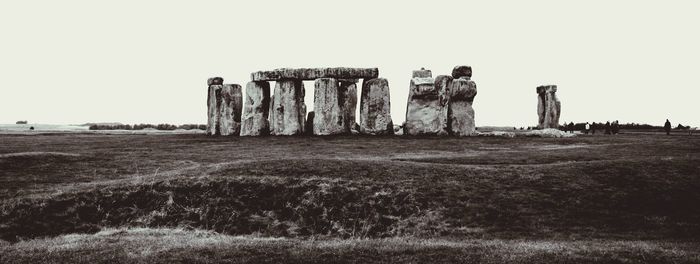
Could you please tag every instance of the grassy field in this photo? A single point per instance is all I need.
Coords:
(192, 198)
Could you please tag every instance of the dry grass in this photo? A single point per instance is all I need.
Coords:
(142, 245)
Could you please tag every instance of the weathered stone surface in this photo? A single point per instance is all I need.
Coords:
(461, 112)
(349, 89)
(462, 71)
(422, 73)
(548, 106)
(257, 109)
(309, 124)
(288, 110)
(213, 106)
(215, 81)
(230, 110)
(315, 73)
(426, 110)
(329, 104)
(375, 108)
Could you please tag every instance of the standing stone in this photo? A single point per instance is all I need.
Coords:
(257, 109)
(230, 110)
(309, 125)
(288, 110)
(548, 107)
(426, 110)
(329, 108)
(461, 112)
(348, 90)
(375, 108)
(213, 106)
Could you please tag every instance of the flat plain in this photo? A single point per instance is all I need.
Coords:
(90, 198)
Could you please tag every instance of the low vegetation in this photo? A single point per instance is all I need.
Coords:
(623, 198)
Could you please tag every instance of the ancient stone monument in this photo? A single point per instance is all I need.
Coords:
(375, 108)
(426, 111)
(441, 106)
(335, 100)
(462, 93)
(256, 112)
(288, 110)
(548, 107)
(224, 105)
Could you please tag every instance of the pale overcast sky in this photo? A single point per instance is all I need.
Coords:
(72, 61)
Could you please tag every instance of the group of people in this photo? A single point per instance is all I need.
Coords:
(610, 128)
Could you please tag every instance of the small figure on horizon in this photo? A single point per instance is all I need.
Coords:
(593, 127)
(571, 127)
(31, 128)
(615, 127)
(587, 128)
(667, 127)
(607, 128)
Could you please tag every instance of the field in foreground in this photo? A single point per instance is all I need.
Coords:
(624, 198)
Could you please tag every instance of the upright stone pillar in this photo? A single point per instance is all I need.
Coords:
(548, 106)
(461, 112)
(375, 108)
(426, 110)
(257, 109)
(329, 108)
(288, 110)
(230, 110)
(214, 85)
(348, 90)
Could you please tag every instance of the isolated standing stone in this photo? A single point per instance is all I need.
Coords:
(288, 110)
(375, 108)
(230, 110)
(461, 112)
(256, 112)
(329, 108)
(548, 107)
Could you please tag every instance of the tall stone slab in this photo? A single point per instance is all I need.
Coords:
(230, 110)
(375, 108)
(548, 107)
(288, 111)
(329, 108)
(257, 109)
(214, 85)
(348, 90)
(426, 110)
(461, 112)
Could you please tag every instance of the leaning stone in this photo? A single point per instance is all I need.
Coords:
(375, 108)
(256, 112)
(315, 73)
(288, 110)
(462, 71)
(461, 112)
(230, 110)
(548, 107)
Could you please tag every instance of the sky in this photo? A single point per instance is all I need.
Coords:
(73, 62)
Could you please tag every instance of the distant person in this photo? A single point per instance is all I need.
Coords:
(31, 128)
(607, 128)
(667, 127)
(616, 127)
(587, 128)
(571, 127)
(593, 127)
